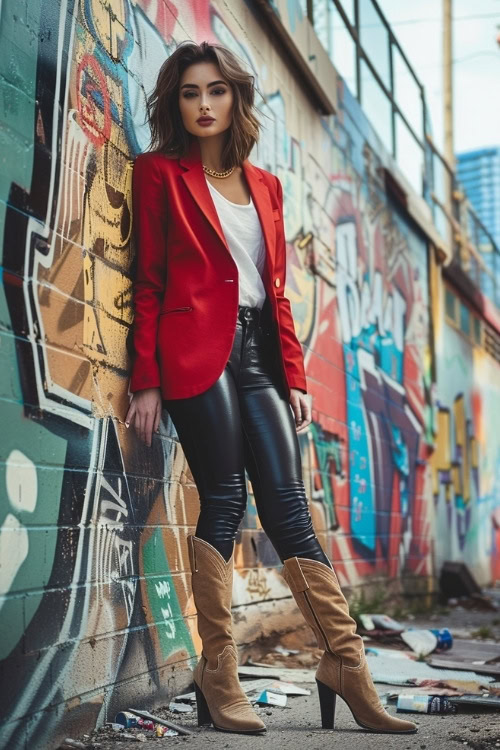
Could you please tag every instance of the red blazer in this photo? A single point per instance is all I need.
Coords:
(186, 287)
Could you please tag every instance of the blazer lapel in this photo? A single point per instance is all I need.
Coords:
(195, 181)
(262, 202)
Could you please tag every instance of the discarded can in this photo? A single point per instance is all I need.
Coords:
(424, 704)
(126, 719)
(444, 638)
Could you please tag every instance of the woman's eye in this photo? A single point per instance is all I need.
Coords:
(190, 94)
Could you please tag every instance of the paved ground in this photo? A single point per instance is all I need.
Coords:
(297, 727)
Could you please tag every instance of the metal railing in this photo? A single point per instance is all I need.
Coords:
(474, 249)
(367, 55)
(365, 52)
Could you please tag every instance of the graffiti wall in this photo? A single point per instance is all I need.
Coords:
(359, 283)
(466, 462)
(95, 600)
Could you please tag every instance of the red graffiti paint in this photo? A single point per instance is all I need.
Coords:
(91, 86)
(164, 18)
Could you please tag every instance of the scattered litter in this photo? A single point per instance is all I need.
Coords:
(422, 642)
(114, 726)
(68, 742)
(285, 651)
(126, 719)
(269, 690)
(186, 698)
(382, 635)
(384, 698)
(483, 701)
(483, 658)
(390, 653)
(272, 698)
(433, 689)
(180, 708)
(371, 622)
(163, 731)
(478, 666)
(393, 671)
(367, 622)
(460, 687)
(254, 669)
(288, 688)
(157, 720)
(424, 704)
(444, 638)
(255, 686)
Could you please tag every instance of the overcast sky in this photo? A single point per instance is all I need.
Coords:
(476, 53)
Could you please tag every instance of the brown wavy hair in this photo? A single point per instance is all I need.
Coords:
(168, 134)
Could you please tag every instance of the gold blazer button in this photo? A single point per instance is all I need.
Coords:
(277, 282)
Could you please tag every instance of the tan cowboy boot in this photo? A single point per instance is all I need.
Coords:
(219, 697)
(343, 668)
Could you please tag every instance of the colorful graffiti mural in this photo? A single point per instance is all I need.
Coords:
(93, 526)
(466, 462)
(366, 328)
(88, 590)
(95, 602)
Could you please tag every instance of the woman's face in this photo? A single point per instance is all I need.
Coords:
(203, 91)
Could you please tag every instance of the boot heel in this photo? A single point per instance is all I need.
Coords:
(327, 699)
(204, 716)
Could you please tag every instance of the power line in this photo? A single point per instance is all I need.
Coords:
(413, 21)
(455, 60)
(437, 20)
(477, 54)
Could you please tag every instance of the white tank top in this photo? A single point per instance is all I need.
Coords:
(243, 233)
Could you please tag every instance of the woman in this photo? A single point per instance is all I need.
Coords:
(215, 345)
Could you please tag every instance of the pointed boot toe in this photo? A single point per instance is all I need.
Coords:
(343, 669)
(219, 697)
(355, 686)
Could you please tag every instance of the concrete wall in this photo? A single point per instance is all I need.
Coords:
(95, 602)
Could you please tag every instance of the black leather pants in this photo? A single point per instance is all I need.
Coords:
(244, 420)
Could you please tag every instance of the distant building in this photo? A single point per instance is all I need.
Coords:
(479, 174)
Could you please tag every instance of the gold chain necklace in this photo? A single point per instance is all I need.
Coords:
(214, 173)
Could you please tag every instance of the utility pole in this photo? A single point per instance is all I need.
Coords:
(449, 150)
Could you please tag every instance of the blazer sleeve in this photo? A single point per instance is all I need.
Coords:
(149, 216)
(292, 348)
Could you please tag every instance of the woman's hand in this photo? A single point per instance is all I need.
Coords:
(301, 405)
(145, 412)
